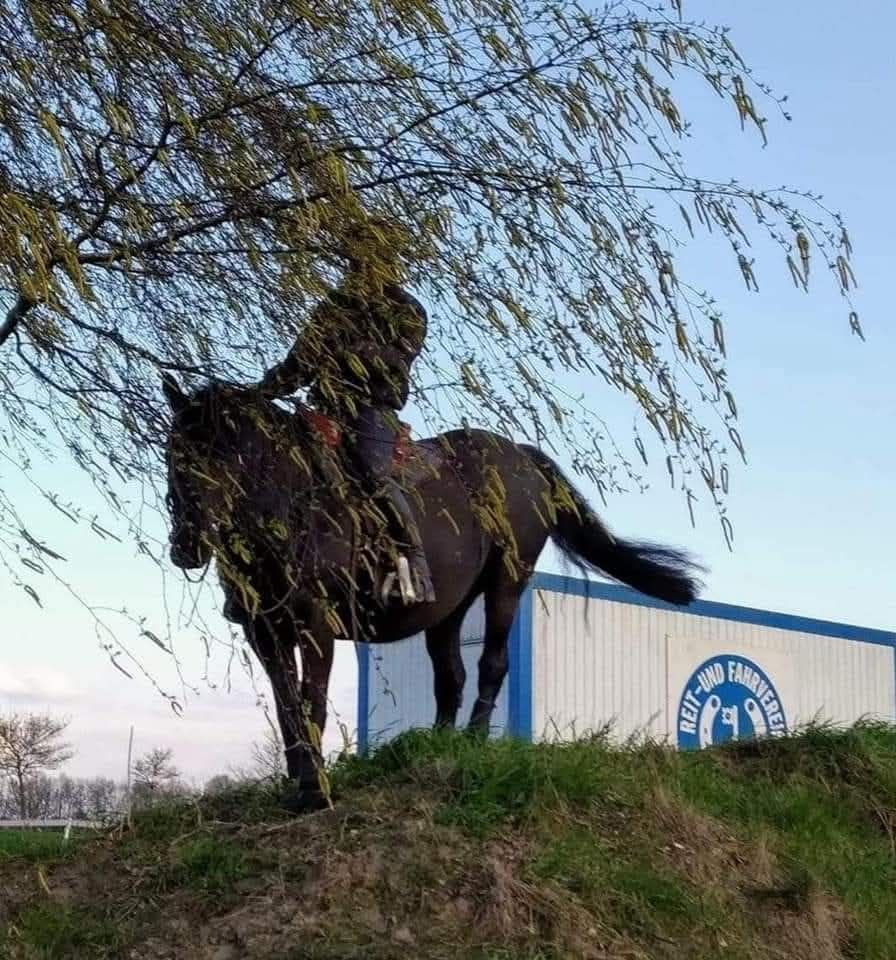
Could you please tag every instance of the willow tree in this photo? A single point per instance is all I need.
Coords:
(30, 744)
(181, 179)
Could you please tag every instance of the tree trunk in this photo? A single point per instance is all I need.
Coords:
(20, 780)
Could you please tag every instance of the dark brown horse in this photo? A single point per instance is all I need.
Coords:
(298, 549)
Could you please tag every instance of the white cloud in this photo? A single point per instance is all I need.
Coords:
(39, 689)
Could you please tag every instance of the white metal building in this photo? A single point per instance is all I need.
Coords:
(584, 654)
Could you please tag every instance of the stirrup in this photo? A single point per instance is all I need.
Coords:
(405, 583)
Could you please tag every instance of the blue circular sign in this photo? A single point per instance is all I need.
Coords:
(728, 697)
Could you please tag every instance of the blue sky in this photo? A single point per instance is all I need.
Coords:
(813, 509)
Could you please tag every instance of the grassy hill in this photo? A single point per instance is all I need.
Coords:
(444, 847)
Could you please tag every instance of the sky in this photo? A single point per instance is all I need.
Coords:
(812, 510)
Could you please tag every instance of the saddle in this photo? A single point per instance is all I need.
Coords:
(411, 461)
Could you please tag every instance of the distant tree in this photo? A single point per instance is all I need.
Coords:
(66, 797)
(266, 760)
(102, 796)
(218, 784)
(41, 797)
(155, 775)
(31, 744)
(63, 797)
(268, 757)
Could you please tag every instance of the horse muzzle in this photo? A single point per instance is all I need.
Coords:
(189, 556)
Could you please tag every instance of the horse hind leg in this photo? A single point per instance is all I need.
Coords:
(502, 598)
(443, 643)
(449, 675)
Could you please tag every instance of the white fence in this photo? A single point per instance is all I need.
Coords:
(52, 824)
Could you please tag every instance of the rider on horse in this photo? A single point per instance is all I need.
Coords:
(355, 352)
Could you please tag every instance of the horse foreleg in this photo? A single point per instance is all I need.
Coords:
(502, 597)
(317, 662)
(274, 640)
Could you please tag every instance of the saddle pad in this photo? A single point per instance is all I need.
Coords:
(411, 460)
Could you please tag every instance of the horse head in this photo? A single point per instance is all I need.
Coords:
(202, 450)
(233, 472)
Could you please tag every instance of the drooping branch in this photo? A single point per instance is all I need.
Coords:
(14, 316)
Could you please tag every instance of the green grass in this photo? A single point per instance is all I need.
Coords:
(58, 932)
(823, 800)
(209, 864)
(636, 893)
(36, 845)
(204, 865)
(485, 785)
(826, 801)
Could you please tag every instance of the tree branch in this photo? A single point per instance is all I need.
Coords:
(128, 181)
(22, 305)
(233, 213)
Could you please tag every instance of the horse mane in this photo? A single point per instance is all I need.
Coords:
(243, 426)
(220, 396)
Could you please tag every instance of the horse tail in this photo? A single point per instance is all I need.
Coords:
(661, 572)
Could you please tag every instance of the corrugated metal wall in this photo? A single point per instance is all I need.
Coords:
(596, 661)
(399, 677)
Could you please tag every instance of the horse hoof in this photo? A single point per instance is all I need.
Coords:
(299, 800)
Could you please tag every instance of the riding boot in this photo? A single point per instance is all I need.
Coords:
(416, 553)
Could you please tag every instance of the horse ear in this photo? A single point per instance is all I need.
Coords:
(176, 398)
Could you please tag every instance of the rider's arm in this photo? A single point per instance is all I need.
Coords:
(300, 366)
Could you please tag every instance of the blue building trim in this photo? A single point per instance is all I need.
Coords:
(594, 589)
(519, 693)
(363, 652)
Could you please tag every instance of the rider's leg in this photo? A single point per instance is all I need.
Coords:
(375, 434)
(416, 554)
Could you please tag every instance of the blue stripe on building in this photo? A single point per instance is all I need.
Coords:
(519, 693)
(363, 652)
(599, 590)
